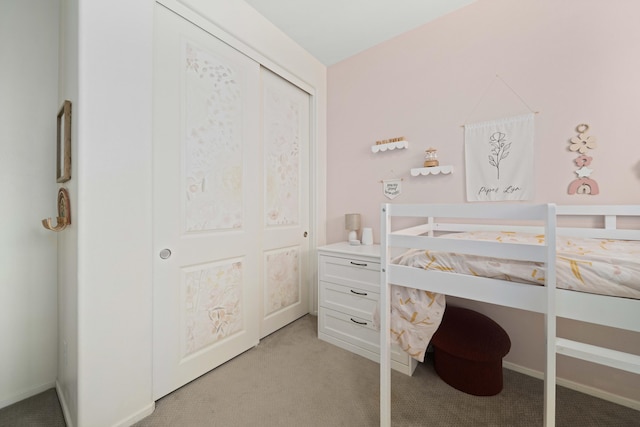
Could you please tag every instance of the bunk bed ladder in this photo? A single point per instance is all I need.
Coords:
(554, 345)
(603, 356)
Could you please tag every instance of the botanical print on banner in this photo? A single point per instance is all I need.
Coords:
(499, 159)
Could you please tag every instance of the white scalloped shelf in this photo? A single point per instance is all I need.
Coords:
(390, 146)
(434, 170)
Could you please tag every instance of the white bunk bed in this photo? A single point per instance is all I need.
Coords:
(611, 311)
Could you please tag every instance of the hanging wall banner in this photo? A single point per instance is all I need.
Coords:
(499, 159)
(392, 187)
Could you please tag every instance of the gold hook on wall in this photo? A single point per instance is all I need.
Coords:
(64, 212)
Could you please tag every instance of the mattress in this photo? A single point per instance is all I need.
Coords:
(598, 266)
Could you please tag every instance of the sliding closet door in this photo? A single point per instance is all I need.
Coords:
(206, 214)
(285, 216)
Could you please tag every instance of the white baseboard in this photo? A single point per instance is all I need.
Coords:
(63, 404)
(134, 418)
(26, 394)
(591, 391)
(126, 422)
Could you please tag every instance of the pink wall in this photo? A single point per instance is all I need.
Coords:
(574, 61)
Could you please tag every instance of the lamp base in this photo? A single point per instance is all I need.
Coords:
(353, 235)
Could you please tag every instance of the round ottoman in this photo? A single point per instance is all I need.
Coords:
(468, 351)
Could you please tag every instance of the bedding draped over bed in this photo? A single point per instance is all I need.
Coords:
(415, 317)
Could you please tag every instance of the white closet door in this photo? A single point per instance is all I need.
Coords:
(206, 214)
(285, 217)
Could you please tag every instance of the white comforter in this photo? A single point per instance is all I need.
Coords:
(607, 267)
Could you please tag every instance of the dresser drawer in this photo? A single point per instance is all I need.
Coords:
(358, 332)
(360, 274)
(349, 300)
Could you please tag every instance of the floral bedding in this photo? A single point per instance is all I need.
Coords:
(599, 266)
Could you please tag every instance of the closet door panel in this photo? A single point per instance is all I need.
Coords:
(206, 217)
(285, 222)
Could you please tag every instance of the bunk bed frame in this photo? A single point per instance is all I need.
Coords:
(615, 312)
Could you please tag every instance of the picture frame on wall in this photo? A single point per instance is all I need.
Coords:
(63, 143)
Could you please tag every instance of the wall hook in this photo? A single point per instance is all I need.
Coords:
(64, 212)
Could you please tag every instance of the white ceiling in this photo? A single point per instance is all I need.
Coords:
(333, 30)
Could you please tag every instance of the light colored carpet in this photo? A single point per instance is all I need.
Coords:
(41, 410)
(293, 379)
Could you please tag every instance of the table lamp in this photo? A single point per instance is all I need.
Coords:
(352, 223)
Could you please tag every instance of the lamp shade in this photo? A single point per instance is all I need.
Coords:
(352, 221)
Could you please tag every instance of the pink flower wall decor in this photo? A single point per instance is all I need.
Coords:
(582, 144)
(583, 161)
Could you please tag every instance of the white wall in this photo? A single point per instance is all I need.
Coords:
(28, 109)
(67, 378)
(113, 220)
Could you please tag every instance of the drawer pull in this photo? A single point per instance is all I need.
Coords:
(359, 293)
(359, 323)
(359, 264)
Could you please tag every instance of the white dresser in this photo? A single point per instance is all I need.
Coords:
(349, 289)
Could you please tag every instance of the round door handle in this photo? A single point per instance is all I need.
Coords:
(165, 253)
(305, 234)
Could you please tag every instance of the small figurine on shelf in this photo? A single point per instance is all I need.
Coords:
(431, 158)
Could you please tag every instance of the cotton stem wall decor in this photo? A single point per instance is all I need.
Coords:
(499, 159)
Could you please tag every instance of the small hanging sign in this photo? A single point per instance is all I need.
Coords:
(392, 188)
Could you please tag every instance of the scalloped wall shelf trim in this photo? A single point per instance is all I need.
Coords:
(390, 146)
(435, 170)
